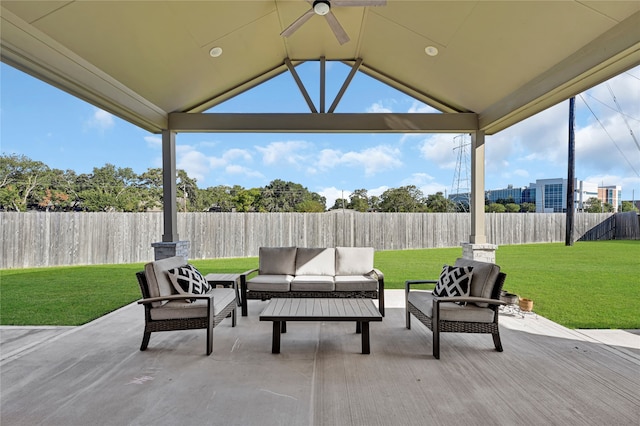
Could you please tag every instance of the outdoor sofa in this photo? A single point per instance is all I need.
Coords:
(300, 272)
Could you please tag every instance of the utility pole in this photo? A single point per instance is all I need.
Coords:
(570, 174)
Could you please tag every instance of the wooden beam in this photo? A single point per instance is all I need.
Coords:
(346, 83)
(323, 123)
(298, 81)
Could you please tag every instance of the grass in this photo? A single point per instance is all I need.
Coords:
(588, 285)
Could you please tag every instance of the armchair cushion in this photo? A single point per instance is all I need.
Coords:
(187, 279)
(454, 281)
(423, 300)
(484, 278)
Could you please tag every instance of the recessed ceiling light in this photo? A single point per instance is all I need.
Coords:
(215, 52)
(431, 50)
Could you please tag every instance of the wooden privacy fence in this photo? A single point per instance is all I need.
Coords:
(36, 239)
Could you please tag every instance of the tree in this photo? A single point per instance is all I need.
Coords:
(340, 203)
(358, 200)
(496, 208)
(592, 205)
(281, 196)
(245, 199)
(627, 206)
(528, 207)
(404, 199)
(20, 179)
(439, 203)
(512, 207)
(110, 189)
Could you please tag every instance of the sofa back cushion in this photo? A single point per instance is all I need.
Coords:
(315, 261)
(354, 260)
(277, 260)
(484, 277)
(158, 279)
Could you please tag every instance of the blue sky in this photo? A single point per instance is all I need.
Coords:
(46, 124)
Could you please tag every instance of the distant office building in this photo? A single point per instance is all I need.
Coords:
(611, 195)
(508, 193)
(550, 195)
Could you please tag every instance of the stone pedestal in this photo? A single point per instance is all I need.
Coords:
(163, 250)
(479, 252)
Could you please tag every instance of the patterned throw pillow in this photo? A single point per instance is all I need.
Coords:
(454, 281)
(188, 280)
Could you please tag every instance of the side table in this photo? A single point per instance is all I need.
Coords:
(226, 280)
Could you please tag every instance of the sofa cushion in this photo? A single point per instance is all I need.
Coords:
(176, 309)
(484, 277)
(277, 260)
(354, 260)
(312, 283)
(423, 300)
(270, 283)
(356, 283)
(454, 281)
(315, 261)
(157, 280)
(187, 279)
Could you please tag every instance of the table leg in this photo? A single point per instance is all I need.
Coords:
(275, 341)
(283, 327)
(366, 348)
(358, 327)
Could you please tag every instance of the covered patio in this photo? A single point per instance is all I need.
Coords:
(95, 374)
(482, 65)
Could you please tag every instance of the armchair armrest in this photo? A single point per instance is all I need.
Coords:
(174, 297)
(468, 299)
(409, 283)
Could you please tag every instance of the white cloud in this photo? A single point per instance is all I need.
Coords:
(425, 183)
(418, 107)
(290, 152)
(235, 169)
(372, 160)
(154, 142)
(100, 120)
(439, 149)
(378, 107)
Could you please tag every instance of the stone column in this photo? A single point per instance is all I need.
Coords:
(165, 249)
(480, 252)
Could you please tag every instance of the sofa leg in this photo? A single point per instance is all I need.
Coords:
(408, 319)
(145, 340)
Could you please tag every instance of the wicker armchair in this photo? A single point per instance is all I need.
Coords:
(167, 311)
(444, 315)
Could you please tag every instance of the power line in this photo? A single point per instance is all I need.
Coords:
(623, 117)
(611, 108)
(612, 140)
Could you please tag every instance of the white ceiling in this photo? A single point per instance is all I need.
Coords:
(142, 60)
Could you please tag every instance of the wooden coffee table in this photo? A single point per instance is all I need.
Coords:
(361, 311)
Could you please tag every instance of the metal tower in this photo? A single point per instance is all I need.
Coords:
(461, 187)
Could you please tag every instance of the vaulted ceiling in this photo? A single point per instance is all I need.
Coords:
(143, 60)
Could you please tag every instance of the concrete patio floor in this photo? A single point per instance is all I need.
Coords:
(96, 374)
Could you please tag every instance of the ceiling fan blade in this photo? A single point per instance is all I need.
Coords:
(297, 23)
(361, 3)
(337, 29)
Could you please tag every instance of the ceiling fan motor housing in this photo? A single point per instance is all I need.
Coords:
(321, 7)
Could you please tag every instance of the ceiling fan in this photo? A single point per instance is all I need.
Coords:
(323, 8)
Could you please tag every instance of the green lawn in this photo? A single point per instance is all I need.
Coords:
(588, 285)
